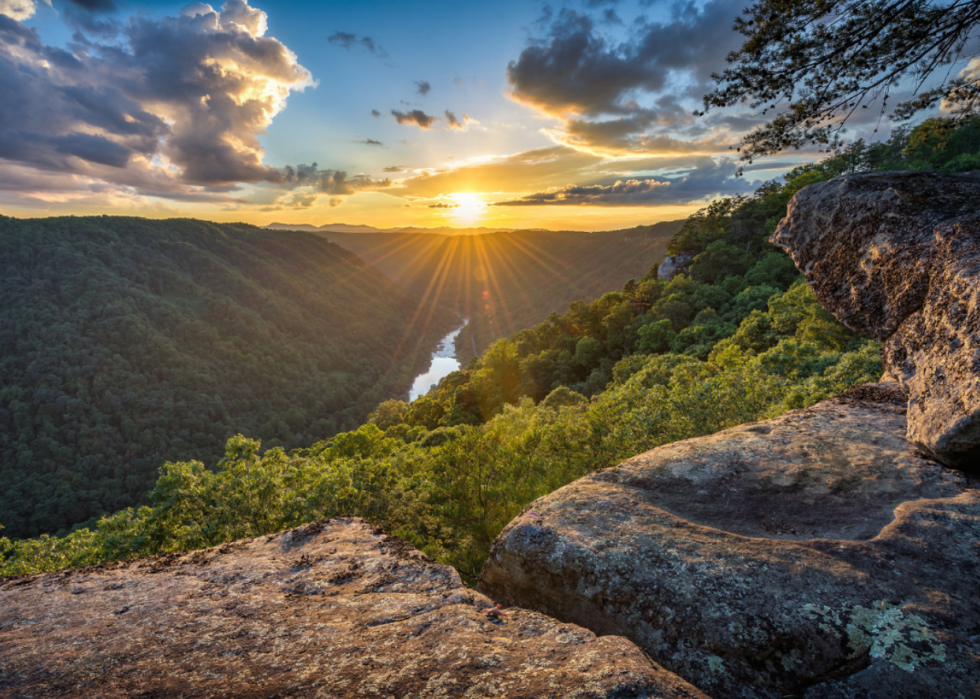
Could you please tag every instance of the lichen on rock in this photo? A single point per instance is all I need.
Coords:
(812, 555)
(883, 631)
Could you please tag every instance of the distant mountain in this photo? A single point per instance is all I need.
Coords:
(126, 343)
(511, 280)
(293, 227)
(349, 228)
(360, 228)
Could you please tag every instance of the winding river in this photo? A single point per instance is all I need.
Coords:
(443, 363)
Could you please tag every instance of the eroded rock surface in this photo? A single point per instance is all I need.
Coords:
(810, 555)
(672, 266)
(897, 255)
(332, 609)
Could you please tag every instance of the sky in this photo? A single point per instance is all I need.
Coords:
(512, 113)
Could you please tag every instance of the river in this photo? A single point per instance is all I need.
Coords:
(443, 363)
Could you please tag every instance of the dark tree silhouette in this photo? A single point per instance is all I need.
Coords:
(830, 58)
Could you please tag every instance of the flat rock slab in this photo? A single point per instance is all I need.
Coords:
(897, 255)
(809, 555)
(332, 609)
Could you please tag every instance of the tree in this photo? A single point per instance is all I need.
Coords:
(830, 58)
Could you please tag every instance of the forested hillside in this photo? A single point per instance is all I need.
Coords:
(508, 281)
(126, 342)
(740, 337)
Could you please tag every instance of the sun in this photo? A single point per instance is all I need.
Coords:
(468, 209)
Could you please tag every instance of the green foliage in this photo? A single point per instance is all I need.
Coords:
(655, 337)
(735, 341)
(126, 342)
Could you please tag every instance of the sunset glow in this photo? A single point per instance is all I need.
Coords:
(469, 209)
(313, 113)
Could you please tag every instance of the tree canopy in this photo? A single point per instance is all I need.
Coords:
(126, 342)
(830, 59)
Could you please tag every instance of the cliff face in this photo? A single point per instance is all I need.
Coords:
(897, 256)
(333, 609)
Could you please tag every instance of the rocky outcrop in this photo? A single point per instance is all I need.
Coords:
(812, 555)
(673, 265)
(897, 255)
(332, 609)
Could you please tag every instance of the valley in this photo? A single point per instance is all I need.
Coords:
(507, 281)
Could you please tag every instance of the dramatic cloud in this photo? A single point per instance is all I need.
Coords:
(522, 172)
(345, 40)
(700, 184)
(423, 87)
(453, 123)
(443, 205)
(615, 96)
(173, 110)
(415, 116)
(393, 168)
(18, 9)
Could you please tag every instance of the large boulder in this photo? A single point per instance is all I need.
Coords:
(673, 265)
(897, 255)
(333, 609)
(812, 555)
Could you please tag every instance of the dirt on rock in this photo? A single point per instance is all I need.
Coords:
(335, 609)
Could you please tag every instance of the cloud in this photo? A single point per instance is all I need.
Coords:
(415, 116)
(175, 109)
(342, 39)
(423, 87)
(334, 182)
(443, 205)
(617, 95)
(346, 39)
(371, 142)
(18, 10)
(304, 184)
(609, 16)
(95, 5)
(520, 172)
(375, 113)
(393, 168)
(453, 123)
(700, 184)
(460, 82)
(372, 46)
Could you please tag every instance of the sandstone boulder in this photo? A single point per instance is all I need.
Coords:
(897, 255)
(332, 609)
(812, 555)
